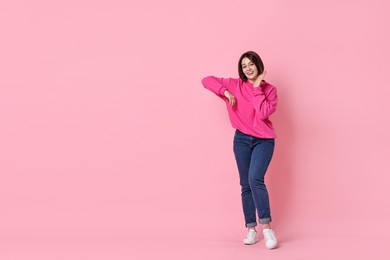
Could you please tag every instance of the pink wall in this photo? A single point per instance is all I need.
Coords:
(107, 133)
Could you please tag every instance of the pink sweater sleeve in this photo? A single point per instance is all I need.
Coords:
(216, 85)
(265, 102)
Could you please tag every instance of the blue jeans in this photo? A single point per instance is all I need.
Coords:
(253, 156)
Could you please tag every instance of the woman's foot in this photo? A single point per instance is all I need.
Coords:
(251, 238)
(269, 238)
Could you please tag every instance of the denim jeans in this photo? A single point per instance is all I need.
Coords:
(253, 156)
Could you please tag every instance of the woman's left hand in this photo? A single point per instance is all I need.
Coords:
(259, 79)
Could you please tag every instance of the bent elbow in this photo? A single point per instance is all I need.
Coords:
(206, 81)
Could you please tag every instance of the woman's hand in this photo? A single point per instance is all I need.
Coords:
(259, 79)
(232, 99)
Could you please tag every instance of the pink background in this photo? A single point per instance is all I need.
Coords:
(110, 148)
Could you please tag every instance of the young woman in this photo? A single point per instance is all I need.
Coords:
(250, 100)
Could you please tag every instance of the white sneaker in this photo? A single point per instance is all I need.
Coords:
(270, 239)
(251, 238)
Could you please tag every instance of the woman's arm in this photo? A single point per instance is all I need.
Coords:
(264, 103)
(215, 85)
(220, 87)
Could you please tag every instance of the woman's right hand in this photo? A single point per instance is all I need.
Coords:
(228, 95)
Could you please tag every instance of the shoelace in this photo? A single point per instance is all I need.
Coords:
(268, 236)
(250, 234)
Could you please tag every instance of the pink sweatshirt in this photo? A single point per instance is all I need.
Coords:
(253, 105)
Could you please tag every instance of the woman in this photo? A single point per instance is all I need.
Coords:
(250, 101)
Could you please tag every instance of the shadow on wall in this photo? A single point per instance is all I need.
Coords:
(280, 177)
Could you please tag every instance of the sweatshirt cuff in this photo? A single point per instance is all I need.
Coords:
(222, 90)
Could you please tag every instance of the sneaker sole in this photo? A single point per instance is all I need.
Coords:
(273, 247)
(248, 244)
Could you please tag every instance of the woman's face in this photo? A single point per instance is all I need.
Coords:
(249, 69)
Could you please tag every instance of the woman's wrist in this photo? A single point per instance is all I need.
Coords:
(261, 83)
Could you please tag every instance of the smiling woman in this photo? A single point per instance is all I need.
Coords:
(250, 101)
(250, 65)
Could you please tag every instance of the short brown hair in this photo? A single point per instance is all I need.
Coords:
(255, 58)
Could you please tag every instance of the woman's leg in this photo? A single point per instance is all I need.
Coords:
(243, 154)
(261, 157)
